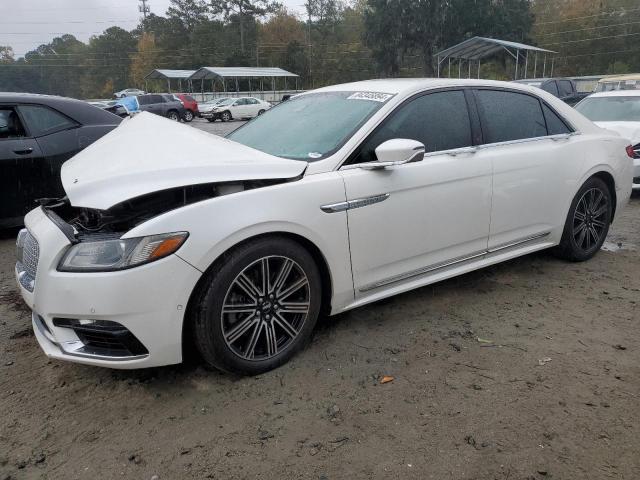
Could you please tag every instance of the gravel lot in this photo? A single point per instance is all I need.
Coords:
(217, 127)
(526, 370)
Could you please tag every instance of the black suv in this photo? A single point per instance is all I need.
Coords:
(166, 105)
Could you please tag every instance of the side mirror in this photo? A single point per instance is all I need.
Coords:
(397, 151)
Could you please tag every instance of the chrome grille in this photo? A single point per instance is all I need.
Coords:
(28, 252)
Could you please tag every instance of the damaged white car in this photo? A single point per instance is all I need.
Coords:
(170, 237)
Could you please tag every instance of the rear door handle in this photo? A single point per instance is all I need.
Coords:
(25, 151)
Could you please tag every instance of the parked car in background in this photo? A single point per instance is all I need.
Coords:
(165, 105)
(617, 110)
(337, 198)
(563, 88)
(129, 92)
(190, 106)
(237, 108)
(111, 106)
(38, 133)
(206, 108)
(621, 82)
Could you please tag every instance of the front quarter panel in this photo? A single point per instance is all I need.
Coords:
(218, 224)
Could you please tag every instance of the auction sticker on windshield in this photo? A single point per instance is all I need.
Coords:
(374, 96)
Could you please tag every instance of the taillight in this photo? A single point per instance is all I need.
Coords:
(630, 151)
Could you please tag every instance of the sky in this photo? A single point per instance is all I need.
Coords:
(27, 24)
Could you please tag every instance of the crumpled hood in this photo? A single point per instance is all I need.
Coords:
(149, 153)
(629, 130)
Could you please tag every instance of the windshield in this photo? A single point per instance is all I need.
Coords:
(611, 109)
(310, 127)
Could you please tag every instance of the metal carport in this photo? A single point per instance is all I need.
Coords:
(168, 75)
(222, 74)
(476, 48)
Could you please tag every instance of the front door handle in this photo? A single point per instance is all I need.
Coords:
(25, 151)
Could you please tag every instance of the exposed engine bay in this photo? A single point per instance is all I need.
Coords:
(79, 223)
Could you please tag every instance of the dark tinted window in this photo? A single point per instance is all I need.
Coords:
(555, 125)
(43, 120)
(144, 99)
(509, 116)
(189, 98)
(566, 88)
(439, 120)
(157, 98)
(550, 87)
(10, 125)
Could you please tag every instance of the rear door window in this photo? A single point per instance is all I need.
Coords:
(550, 87)
(565, 88)
(43, 120)
(157, 98)
(508, 116)
(555, 125)
(439, 120)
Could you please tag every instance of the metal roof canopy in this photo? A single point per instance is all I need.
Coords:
(162, 74)
(239, 72)
(223, 73)
(168, 75)
(477, 48)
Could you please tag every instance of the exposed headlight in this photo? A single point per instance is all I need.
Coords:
(119, 254)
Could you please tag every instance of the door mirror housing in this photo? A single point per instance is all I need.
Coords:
(397, 151)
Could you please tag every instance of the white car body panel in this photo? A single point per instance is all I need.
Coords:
(121, 166)
(628, 130)
(451, 213)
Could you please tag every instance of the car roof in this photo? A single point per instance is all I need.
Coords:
(78, 110)
(616, 93)
(409, 85)
(620, 78)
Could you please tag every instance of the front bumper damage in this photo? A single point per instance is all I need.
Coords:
(124, 319)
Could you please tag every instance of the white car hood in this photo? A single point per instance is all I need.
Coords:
(629, 130)
(149, 153)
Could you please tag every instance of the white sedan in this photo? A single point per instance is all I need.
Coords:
(237, 108)
(335, 199)
(619, 111)
(129, 92)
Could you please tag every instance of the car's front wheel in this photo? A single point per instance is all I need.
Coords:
(587, 223)
(173, 115)
(258, 307)
(260, 112)
(225, 116)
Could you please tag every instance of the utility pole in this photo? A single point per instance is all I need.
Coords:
(144, 8)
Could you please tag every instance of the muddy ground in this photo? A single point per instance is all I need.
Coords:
(527, 370)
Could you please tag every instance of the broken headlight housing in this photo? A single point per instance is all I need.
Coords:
(119, 254)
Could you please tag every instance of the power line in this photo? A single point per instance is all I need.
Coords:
(594, 39)
(571, 19)
(590, 28)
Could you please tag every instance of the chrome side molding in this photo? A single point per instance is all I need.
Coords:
(450, 263)
(357, 203)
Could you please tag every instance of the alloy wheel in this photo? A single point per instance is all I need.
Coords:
(265, 308)
(188, 115)
(590, 219)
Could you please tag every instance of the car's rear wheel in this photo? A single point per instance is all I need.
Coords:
(225, 116)
(188, 116)
(173, 115)
(260, 112)
(258, 307)
(587, 223)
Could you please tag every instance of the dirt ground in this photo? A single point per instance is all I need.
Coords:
(527, 370)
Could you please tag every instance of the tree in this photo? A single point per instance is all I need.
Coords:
(6, 54)
(188, 12)
(243, 10)
(144, 60)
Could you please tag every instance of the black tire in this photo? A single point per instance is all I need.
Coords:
(260, 112)
(188, 116)
(173, 115)
(211, 120)
(239, 342)
(587, 222)
(226, 116)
